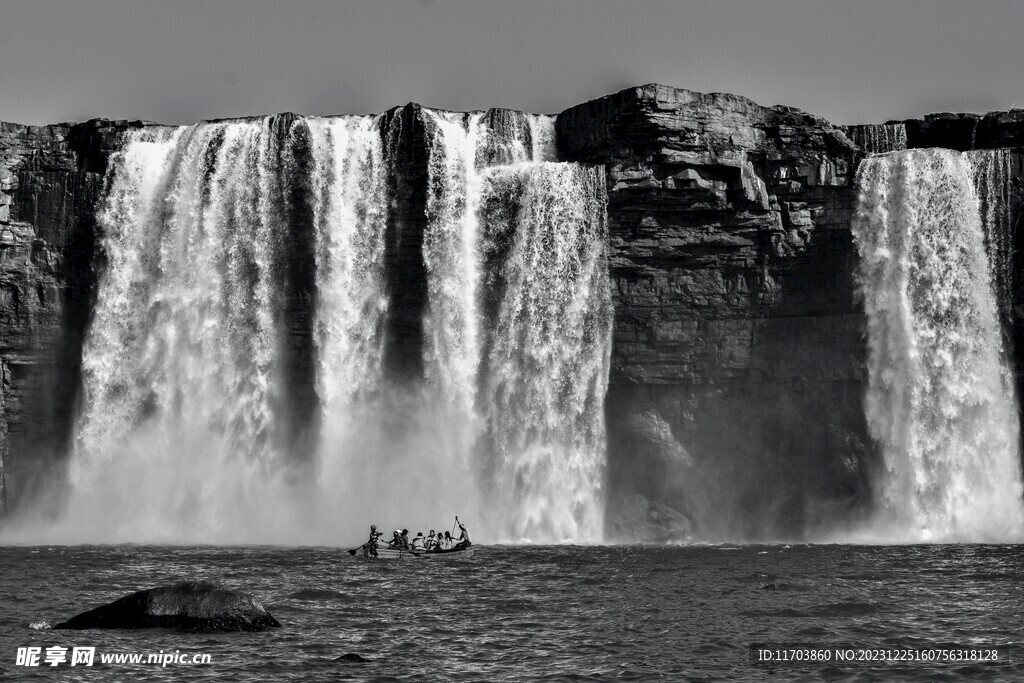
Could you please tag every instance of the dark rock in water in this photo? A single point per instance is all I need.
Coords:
(352, 657)
(192, 605)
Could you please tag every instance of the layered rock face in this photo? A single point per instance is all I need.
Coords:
(737, 365)
(50, 180)
(404, 131)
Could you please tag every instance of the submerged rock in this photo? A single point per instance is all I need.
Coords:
(193, 605)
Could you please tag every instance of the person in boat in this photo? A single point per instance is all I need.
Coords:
(371, 545)
(417, 543)
(405, 539)
(396, 540)
(464, 541)
(447, 543)
(431, 542)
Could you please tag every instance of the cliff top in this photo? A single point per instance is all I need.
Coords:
(648, 92)
(941, 129)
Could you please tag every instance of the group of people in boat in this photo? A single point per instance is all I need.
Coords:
(431, 543)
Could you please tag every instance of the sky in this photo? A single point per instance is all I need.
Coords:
(851, 61)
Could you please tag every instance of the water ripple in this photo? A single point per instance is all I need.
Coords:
(533, 613)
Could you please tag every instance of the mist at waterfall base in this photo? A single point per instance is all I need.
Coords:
(199, 424)
(941, 401)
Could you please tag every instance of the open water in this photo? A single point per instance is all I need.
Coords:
(532, 613)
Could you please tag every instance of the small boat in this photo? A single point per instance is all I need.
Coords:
(386, 553)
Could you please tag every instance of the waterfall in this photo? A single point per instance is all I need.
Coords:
(940, 400)
(234, 388)
(992, 175)
(450, 251)
(115, 393)
(181, 364)
(182, 437)
(549, 348)
(461, 148)
(879, 138)
(349, 202)
(545, 480)
(542, 135)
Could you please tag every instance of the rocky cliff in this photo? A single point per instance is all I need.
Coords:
(50, 180)
(737, 376)
(737, 367)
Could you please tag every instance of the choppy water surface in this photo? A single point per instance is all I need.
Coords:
(557, 613)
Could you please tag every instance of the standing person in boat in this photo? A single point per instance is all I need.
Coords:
(371, 545)
(464, 541)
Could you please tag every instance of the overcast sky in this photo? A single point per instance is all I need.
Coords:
(180, 61)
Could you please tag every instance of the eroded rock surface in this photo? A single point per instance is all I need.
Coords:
(191, 605)
(50, 180)
(737, 333)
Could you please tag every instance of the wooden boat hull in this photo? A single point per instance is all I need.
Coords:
(384, 553)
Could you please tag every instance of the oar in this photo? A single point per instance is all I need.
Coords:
(356, 550)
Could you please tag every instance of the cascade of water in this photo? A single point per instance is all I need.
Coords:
(992, 175)
(181, 434)
(114, 393)
(180, 368)
(546, 475)
(191, 368)
(450, 251)
(461, 148)
(549, 348)
(349, 202)
(879, 138)
(939, 403)
(542, 134)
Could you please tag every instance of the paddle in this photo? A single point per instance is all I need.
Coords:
(356, 550)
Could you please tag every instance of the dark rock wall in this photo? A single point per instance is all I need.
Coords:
(737, 366)
(50, 180)
(295, 270)
(1014, 325)
(406, 150)
(966, 131)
